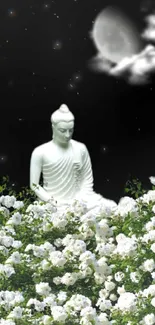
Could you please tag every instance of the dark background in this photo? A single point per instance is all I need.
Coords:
(44, 52)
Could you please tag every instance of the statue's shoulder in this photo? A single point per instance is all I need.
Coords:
(41, 150)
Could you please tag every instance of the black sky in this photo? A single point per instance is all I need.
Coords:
(44, 52)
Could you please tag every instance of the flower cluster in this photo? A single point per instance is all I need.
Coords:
(74, 266)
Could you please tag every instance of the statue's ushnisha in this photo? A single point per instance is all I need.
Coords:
(65, 165)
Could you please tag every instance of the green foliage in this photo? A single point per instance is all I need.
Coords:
(134, 188)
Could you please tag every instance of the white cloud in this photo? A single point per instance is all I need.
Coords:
(149, 33)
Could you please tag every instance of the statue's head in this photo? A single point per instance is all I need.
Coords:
(62, 124)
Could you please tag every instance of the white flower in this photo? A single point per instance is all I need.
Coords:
(88, 312)
(113, 297)
(61, 297)
(104, 304)
(57, 258)
(150, 196)
(50, 300)
(46, 320)
(7, 241)
(39, 305)
(6, 322)
(8, 201)
(127, 301)
(43, 288)
(58, 242)
(45, 265)
(18, 205)
(121, 290)
(99, 278)
(87, 257)
(153, 275)
(149, 225)
(149, 319)
(126, 205)
(153, 247)
(16, 313)
(134, 276)
(148, 265)
(7, 270)
(59, 221)
(15, 258)
(59, 314)
(15, 219)
(109, 285)
(119, 276)
(103, 320)
(153, 302)
(103, 293)
(69, 278)
(17, 244)
(57, 280)
(152, 180)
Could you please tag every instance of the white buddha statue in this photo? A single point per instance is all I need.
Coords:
(65, 165)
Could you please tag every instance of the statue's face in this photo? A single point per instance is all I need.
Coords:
(63, 132)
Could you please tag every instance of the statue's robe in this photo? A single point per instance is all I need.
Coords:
(70, 176)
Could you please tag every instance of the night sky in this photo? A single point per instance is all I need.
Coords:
(45, 48)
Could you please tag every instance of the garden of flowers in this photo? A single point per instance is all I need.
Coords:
(77, 266)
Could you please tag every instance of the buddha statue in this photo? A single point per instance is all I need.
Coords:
(65, 166)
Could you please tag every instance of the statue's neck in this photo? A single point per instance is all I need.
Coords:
(60, 145)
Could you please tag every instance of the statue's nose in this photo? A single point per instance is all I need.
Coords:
(67, 135)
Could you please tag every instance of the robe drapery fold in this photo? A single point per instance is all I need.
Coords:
(70, 176)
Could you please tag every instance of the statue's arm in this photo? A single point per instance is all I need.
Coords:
(86, 172)
(35, 173)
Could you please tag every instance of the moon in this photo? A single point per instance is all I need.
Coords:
(114, 35)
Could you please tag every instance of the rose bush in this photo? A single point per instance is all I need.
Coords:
(74, 266)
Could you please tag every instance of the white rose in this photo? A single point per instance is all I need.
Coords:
(57, 280)
(149, 319)
(18, 205)
(59, 314)
(153, 247)
(109, 285)
(119, 276)
(43, 288)
(113, 297)
(46, 320)
(153, 302)
(103, 320)
(149, 265)
(69, 278)
(57, 258)
(127, 301)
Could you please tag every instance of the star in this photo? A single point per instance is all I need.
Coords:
(77, 76)
(56, 15)
(20, 119)
(104, 149)
(3, 159)
(46, 6)
(57, 45)
(12, 13)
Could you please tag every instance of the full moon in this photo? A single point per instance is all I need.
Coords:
(114, 35)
